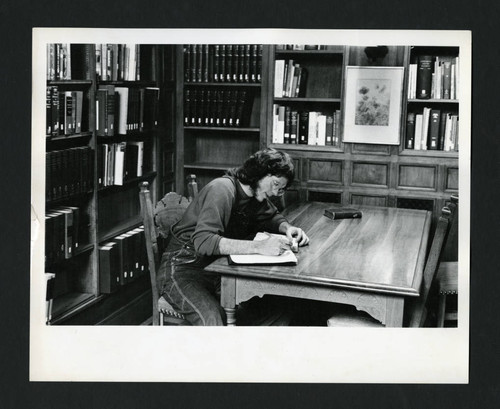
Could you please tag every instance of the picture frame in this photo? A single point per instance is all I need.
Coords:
(372, 106)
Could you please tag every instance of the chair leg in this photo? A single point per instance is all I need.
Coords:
(441, 310)
(161, 319)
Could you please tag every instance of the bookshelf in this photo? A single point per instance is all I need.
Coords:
(116, 93)
(221, 113)
(356, 173)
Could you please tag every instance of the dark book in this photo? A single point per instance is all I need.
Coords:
(253, 63)
(222, 63)
(213, 108)
(48, 111)
(210, 66)
(78, 110)
(200, 114)
(207, 109)
(259, 62)
(229, 63)
(187, 62)
(247, 63)
(131, 161)
(122, 258)
(68, 113)
(294, 121)
(199, 62)
(302, 83)
(241, 62)
(109, 268)
(442, 130)
(232, 102)
(329, 130)
(215, 77)
(187, 108)
(205, 62)
(434, 127)
(410, 131)
(446, 79)
(236, 64)
(240, 105)
(303, 128)
(81, 55)
(55, 110)
(424, 77)
(343, 213)
(288, 124)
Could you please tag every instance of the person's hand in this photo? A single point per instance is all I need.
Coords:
(273, 245)
(298, 234)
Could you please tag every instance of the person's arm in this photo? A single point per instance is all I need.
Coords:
(272, 246)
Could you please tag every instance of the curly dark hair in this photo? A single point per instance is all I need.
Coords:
(264, 162)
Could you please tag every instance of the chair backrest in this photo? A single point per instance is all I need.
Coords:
(417, 307)
(450, 251)
(157, 223)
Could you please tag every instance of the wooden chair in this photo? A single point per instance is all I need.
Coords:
(417, 310)
(157, 224)
(447, 275)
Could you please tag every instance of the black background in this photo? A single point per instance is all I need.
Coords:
(17, 20)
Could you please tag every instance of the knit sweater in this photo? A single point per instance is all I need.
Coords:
(205, 221)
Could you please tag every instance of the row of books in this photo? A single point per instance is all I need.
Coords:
(120, 110)
(62, 225)
(113, 62)
(63, 112)
(305, 127)
(122, 260)
(435, 77)
(301, 47)
(235, 63)
(119, 162)
(125, 62)
(69, 172)
(290, 79)
(432, 129)
(59, 61)
(218, 107)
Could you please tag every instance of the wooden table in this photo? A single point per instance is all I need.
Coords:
(373, 263)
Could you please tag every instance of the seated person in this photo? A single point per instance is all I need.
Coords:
(221, 220)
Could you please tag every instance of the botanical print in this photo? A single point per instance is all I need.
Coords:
(373, 102)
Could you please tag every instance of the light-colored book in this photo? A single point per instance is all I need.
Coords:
(287, 258)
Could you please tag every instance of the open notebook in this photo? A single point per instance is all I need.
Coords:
(287, 258)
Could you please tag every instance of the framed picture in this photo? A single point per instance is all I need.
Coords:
(372, 109)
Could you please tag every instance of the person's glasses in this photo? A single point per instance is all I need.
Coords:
(278, 187)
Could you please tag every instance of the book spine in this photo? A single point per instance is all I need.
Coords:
(410, 131)
(229, 63)
(447, 80)
(253, 71)
(222, 63)
(288, 123)
(434, 126)
(303, 128)
(215, 77)
(424, 77)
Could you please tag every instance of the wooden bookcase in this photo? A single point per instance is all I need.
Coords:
(354, 173)
(207, 150)
(108, 211)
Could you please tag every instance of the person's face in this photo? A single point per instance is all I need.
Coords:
(270, 186)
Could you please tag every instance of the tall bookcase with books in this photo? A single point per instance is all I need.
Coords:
(305, 111)
(331, 170)
(102, 140)
(221, 112)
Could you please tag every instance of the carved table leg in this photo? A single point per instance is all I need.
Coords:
(228, 298)
(394, 312)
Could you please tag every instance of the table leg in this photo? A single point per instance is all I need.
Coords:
(394, 312)
(228, 299)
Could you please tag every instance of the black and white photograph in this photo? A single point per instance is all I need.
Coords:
(208, 178)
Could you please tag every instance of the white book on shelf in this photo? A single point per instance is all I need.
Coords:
(321, 138)
(122, 109)
(280, 134)
(425, 127)
(275, 123)
(418, 132)
(447, 133)
(312, 134)
(120, 148)
(279, 71)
